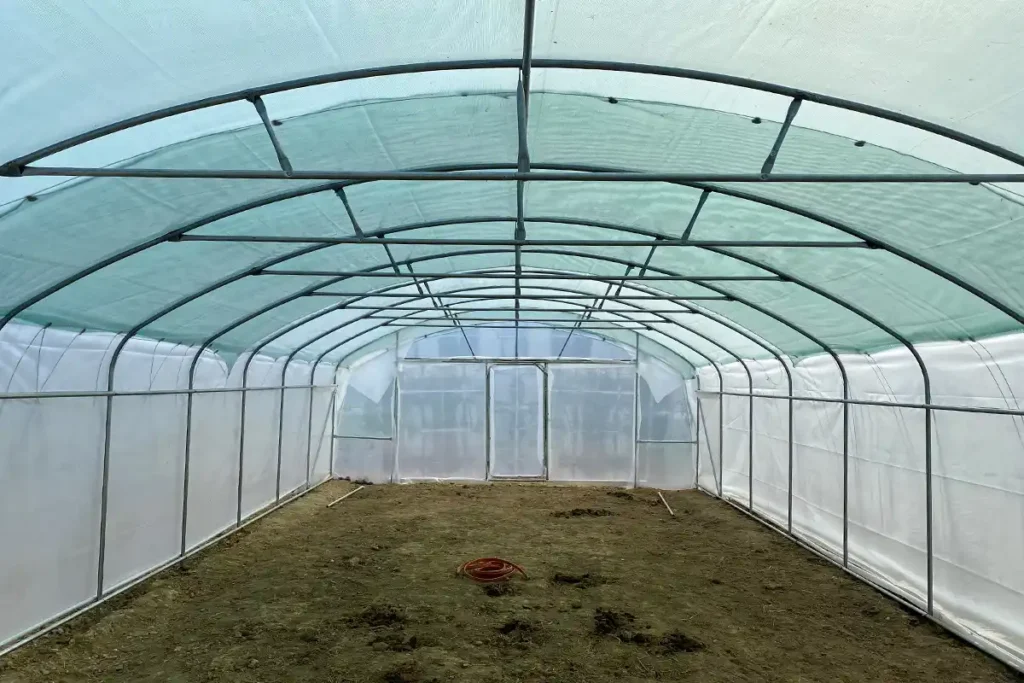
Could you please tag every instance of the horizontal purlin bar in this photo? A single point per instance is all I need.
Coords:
(883, 404)
(543, 176)
(468, 241)
(537, 297)
(454, 308)
(534, 276)
(507, 315)
(524, 325)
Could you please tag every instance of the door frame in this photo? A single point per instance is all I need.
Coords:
(542, 366)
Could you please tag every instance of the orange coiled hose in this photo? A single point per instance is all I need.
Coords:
(490, 569)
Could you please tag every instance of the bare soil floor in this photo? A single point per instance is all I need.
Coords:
(617, 590)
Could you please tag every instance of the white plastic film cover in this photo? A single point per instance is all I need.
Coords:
(709, 446)
(259, 456)
(295, 428)
(818, 473)
(147, 469)
(50, 551)
(366, 401)
(322, 424)
(517, 425)
(369, 459)
(771, 458)
(665, 465)
(441, 423)
(213, 465)
(736, 447)
(591, 428)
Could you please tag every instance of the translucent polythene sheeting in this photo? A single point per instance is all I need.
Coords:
(976, 478)
(663, 403)
(369, 459)
(213, 465)
(145, 492)
(665, 465)
(517, 424)
(367, 399)
(50, 450)
(591, 428)
(709, 442)
(441, 423)
(194, 50)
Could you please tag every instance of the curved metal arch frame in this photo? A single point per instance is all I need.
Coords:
(176, 233)
(525, 63)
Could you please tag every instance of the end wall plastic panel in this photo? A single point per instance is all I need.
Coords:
(517, 422)
(665, 465)
(591, 423)
(441, 426)
(370, 459)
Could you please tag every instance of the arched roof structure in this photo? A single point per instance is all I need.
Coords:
(764, 187)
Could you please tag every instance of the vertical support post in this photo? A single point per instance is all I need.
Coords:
(846, 475)
(188, 457)
(696, 443)
(280, 431)
(636, 408)
(545, 407)
(789, 486)
(334, 422)
(750, 455)
(721, 434)
(928, 503)
(487, 420)
(309, 430)
(395, 416)
(241, 444)
(105, 489)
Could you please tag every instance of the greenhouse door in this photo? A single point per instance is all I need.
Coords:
(516, 447)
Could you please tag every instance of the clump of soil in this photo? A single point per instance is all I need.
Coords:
(363, 482)
(619, 625)
(379, 615)
(519, 631)
(624, 495)
(586, 580)
(609, 622)
(677, 641)
(584, 512)
(500, 589)
(622, 626)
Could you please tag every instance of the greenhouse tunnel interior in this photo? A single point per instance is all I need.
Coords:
(511, 250)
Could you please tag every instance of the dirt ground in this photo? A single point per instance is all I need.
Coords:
(616, 590)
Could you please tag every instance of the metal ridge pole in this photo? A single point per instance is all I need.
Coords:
(522, 176)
